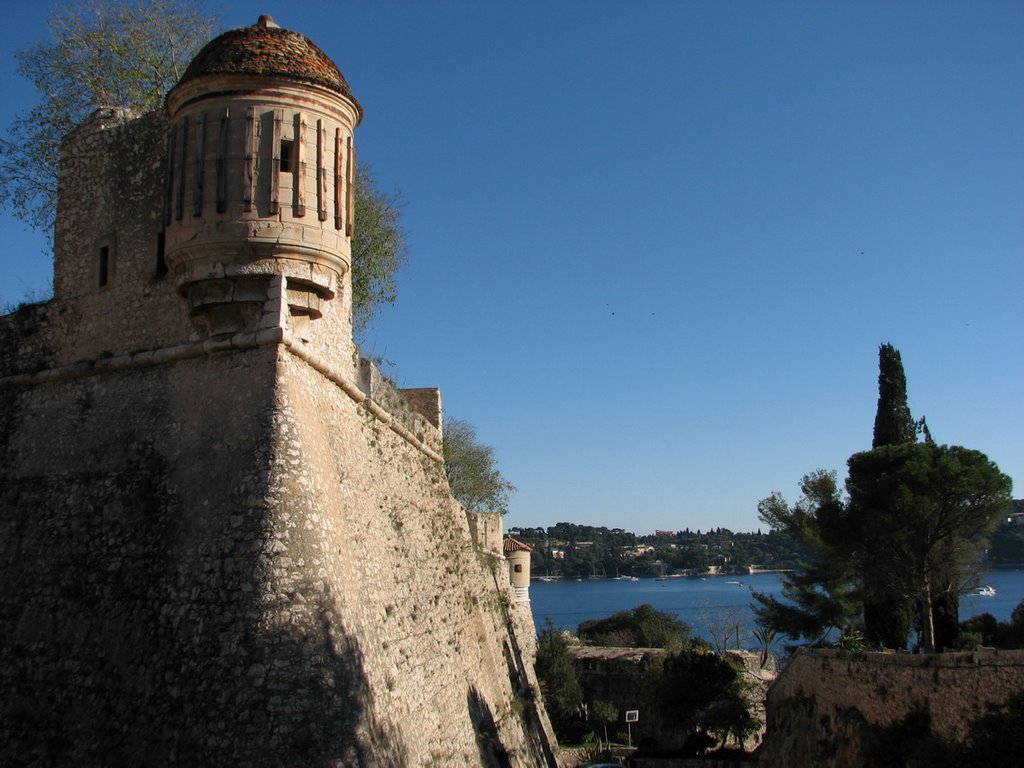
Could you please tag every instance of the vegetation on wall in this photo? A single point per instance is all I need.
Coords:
(130, 53)
(473, 476)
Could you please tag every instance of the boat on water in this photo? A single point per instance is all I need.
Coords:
(986, 591)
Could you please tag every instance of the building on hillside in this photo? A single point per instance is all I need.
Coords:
(227, 539)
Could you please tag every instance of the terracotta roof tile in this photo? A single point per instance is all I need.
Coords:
(267, 49)
(511, 545)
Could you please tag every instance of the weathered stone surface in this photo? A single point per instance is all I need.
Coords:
(218, 545)
(826, 705)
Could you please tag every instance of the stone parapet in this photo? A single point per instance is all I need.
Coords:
(827, 705)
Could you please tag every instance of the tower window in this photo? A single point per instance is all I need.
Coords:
(161, 262)
(286, 155)
(104, 265)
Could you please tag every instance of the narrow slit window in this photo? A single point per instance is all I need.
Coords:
(286, 155)
(104, 265)
(161, 261)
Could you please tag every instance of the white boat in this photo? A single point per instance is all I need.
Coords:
(987, 591)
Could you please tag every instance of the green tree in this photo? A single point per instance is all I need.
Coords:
(129, 53)
(696, 690)
(378, 250)
(917, 514)
(103, 53)
(603, 713)
(475, 481)
(821, 595)
(983, 629)
(887, 615)
(893, 423)
(559, 682)
(765, 636)
(641, 627)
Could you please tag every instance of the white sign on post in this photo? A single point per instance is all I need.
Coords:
(632, 716)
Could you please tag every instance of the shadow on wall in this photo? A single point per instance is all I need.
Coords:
(540, 746)
(492, 753)
(996, 738)
(135, 633)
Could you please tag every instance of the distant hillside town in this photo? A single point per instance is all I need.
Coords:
(571, 551)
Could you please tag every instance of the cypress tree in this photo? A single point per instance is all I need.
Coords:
(887, 618)
(893, 424)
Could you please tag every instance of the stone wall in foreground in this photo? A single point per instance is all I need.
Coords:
(228, 559)
(829, 707)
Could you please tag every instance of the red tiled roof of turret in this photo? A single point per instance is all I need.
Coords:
(511, 545)
(267, 49)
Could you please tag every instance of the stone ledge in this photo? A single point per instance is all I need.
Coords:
(148, 358)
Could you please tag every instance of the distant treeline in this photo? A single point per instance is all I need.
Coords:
(1006, 545)
(568, 550)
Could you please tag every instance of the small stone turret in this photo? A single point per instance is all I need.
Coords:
(259, 192)
(518, 556)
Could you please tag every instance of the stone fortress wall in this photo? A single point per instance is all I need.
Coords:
(827, 706)
(231, 542)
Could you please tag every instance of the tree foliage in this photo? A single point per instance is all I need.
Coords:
(559, 682)
(893, 423)
(696, 692)
(103, 53)
(918, 513)
(892, 554)
(641, 627)
(378, 249)
(130, 53)
(984, 629)
(887, 615)
(821, 595)
(475, 481)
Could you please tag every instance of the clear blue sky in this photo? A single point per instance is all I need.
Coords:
(654, 246)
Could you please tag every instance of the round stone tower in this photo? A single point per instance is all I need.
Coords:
(259, 192)
(518, 556)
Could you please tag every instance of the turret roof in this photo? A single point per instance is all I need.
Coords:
(266, 49)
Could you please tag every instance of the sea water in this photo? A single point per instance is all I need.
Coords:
(712, 604)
